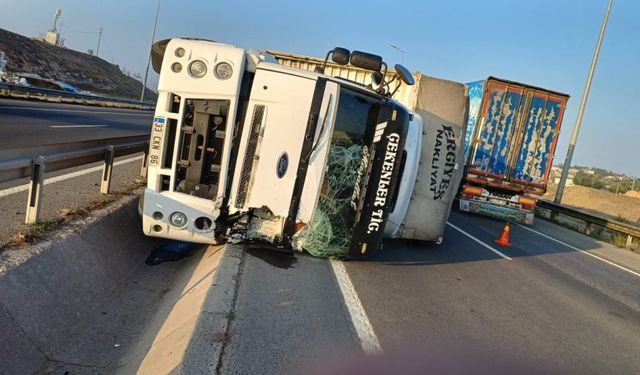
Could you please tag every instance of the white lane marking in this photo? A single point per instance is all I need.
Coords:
(479, 241)
(128, 112)
(361, 324)
(76, 126)
(582, 251)
(25, 187)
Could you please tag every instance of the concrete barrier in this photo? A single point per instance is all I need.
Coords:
(48, 291)
(63, 302)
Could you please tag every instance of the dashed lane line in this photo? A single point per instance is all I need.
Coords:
(25, 187)
(361, 324)
(479, 241)
(580, 250)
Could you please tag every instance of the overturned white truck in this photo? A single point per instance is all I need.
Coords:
(245, 149)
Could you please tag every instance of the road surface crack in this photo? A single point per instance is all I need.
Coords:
(232, 314)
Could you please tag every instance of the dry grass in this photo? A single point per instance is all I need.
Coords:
(623, 208)
(30, 233)
(620, 207)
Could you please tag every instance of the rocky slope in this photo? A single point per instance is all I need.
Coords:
(82, 70)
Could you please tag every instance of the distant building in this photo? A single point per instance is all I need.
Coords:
(52, 37)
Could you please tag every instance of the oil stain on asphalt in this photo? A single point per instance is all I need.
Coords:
(276, 258)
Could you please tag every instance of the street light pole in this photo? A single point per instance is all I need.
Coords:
(401, 51)
(583, 103)
(153, 37)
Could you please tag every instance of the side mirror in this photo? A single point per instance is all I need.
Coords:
(157, 54)
(366, 61)
(405, 75)
(340, 56)
(376, 79)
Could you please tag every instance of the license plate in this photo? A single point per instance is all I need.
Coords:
(155, 146)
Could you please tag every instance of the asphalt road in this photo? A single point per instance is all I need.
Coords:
(467, 305)
(543, 308)
(32, 123)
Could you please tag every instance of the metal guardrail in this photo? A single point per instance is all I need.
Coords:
(9, 89)
(590, 219)
(32, 162)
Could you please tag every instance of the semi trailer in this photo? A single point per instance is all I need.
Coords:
(510, 143)
(243, 148)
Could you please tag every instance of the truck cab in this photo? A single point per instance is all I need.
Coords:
(245, 149)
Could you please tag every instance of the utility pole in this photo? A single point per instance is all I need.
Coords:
(99, 38)
(633, 186)
(153, 37)
(55, 19)
(583, 103)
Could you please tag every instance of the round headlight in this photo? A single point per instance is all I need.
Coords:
(179, 52)
(223, 70)
(176, 67)
(197, 68)
(178, 219)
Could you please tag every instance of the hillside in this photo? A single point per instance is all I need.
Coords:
(82, 70)
(602, 201)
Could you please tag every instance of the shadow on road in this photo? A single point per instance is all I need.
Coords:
(458, 247)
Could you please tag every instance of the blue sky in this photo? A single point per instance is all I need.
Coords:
(547, 43)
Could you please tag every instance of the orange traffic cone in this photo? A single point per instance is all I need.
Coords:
(503, 240)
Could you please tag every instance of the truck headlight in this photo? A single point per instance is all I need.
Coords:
(197, 68)
(178, 219)
(223, 70)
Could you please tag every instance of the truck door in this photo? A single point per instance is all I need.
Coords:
(499, 127)
(541, 129)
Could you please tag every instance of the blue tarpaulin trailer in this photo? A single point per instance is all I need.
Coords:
(510, 142)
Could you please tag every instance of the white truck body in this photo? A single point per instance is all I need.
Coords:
(246, 149)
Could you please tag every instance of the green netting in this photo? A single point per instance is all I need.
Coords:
(329, 232)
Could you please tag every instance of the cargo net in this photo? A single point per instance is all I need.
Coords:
(330, 230)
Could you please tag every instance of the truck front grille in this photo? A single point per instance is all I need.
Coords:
(250, 155)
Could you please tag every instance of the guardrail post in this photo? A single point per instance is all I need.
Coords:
(588, 229)
(106, 171)
(35, 190)
(145, 162)
(629, 240)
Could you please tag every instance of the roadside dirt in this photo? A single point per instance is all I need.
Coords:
(632, 194)
(625, 206)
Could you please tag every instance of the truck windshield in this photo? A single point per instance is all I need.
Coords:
(330, 230)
